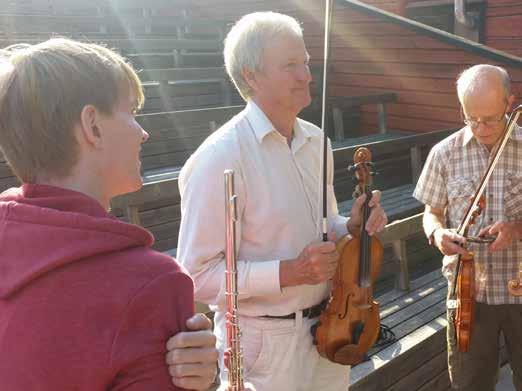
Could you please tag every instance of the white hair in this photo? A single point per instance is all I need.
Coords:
(474, 77)
(247, 40)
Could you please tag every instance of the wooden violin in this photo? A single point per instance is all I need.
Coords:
(464, 289)
(350, 324)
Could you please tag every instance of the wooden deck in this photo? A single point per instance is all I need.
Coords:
(417, 361)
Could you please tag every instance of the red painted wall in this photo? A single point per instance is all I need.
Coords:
(369, 55)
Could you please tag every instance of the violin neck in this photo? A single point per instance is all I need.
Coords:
(365, 252)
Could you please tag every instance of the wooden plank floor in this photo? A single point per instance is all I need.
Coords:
(417, 361)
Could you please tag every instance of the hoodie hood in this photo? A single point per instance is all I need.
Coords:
(44, 227)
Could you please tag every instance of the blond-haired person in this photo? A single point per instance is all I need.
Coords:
(85, 304)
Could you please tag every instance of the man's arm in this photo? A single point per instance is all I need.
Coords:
(201, 243)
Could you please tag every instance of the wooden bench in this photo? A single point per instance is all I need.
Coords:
(154, 52)
(417, 318)
(175, 89)
(155, 207)
(398, 159)
(418, 360)
(175, 135)
(343, 104)
(109, 24)
(7, 179)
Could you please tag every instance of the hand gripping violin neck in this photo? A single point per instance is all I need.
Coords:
(350, 324)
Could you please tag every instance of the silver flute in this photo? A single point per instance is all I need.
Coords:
(233, 355)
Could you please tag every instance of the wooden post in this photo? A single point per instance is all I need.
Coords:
(178, 58)
(102, 14)
(382, 118)
(416, 163)
(403, 277)
(133, 214)
(338, 123)
(225, 91)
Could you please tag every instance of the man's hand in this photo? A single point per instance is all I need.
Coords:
(192, 355)
(377, 219)
(506, 233)
(448, 241)
(316, 263)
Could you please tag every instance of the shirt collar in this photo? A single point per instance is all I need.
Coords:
(468, 136)
(262, 126)
(258, 120)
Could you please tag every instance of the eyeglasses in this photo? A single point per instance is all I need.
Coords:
(472, 123)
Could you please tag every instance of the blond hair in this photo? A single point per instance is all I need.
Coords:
(43, 90)
(474, 77)
(247, 40)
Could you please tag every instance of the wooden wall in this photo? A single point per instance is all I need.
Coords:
(373, 55)
(503, 25)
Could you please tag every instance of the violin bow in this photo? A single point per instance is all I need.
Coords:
(324, 116)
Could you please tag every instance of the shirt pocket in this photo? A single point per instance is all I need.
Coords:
(513, 196)
(460, 191)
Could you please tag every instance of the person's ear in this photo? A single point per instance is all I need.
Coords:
(250, 78)
(89, 125)
(511, 102)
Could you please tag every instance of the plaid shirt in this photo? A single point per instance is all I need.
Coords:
(451, 175)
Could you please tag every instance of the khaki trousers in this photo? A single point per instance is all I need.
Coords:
(279, 355)
(477, 369)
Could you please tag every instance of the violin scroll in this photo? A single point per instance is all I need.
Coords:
(515, 286)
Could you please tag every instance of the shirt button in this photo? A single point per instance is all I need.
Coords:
(491, 196)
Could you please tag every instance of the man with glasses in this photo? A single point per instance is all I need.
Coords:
(452, 174)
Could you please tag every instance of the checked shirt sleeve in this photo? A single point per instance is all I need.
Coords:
(431, 188)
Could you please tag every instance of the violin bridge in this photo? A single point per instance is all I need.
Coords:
(452, 304)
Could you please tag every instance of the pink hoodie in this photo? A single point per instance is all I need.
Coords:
(85, 304)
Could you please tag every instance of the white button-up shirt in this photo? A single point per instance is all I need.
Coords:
(279, 211)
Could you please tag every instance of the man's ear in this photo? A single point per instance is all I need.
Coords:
(511, 102)
(89, 119)
(250, 77)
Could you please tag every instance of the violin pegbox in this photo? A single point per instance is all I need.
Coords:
(362, 171)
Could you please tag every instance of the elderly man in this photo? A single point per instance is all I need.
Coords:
(450, 177)
(283, 268)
